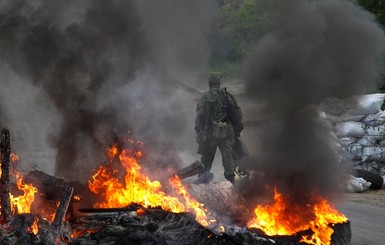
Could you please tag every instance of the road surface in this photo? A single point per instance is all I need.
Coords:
(366, 212)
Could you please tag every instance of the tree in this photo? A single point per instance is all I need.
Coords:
(376, 7)
(239, 24)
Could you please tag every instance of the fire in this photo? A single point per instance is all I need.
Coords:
(22, 204)
(79, 233)
(14, 157)
(34, 228)
(77, 198)
(136, 187)
(140, 212)
(191, 203)
(112, 152)
(285, 218)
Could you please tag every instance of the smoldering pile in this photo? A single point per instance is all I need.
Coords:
(138, 225)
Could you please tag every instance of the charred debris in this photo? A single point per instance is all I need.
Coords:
(134, 224)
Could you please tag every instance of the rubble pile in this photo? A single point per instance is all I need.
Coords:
(138, 225)
(61, 212)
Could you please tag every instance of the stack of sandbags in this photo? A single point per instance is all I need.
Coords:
(359, 126)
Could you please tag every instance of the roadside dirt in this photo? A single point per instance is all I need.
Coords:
(374, 198)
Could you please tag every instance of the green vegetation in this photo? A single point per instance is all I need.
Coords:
(241, 23)
(376, 7)
(238, 26)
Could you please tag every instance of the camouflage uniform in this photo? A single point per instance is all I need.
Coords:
(217, 100)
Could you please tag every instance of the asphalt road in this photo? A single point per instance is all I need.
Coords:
(366, 212)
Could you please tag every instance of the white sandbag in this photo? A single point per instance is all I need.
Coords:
(381, 143)
(375, 153)
(367, 141)
(344, 118)
(366, 104)
(372, 166)
(377, 132)
(333, 106)
(347, 117)
(374, 119)
(355, 184)
(355, 105)
(343, 129)
(347, 140)
(352, 152)
(380, 115)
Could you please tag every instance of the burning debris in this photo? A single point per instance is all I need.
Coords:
(285, 218)
(79, 68)
(128, 207)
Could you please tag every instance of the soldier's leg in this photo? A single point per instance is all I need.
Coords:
(226, 148)
(207, 157)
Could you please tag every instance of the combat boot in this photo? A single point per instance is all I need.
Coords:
(204, 178)
(230, 178)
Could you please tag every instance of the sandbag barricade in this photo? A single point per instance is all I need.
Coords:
(359, 125)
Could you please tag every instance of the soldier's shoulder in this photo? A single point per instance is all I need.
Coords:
(207, 96)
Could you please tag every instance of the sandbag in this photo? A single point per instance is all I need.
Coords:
(367, 141)
(352, 152)
(374, 119)
(355, 105)
(355, 184)
(347, 140)
(367, 104)
(333, 106)
(373, 153)
(349, 129)
(377, 132)
(343, 118)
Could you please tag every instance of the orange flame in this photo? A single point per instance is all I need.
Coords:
(14, 157)
(22, 204)
(136, 187)
(34, 228)
(191, 203)
(282, 218)
(140, 212)
(80, 232)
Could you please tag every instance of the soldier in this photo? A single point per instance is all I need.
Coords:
(218, 120)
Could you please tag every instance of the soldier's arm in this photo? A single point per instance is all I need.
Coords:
(200, 115)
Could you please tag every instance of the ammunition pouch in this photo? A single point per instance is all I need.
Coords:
(219, 130)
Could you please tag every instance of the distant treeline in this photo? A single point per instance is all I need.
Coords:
(240, 23)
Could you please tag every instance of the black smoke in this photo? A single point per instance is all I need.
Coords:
(103, 68)
(314, 50)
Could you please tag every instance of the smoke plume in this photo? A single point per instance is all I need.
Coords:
(87, 72)
(314, 50)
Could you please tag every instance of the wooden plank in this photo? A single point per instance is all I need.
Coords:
(5, 181)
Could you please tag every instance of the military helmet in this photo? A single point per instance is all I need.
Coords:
(215, 78)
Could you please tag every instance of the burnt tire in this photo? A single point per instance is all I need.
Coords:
(376, 179)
